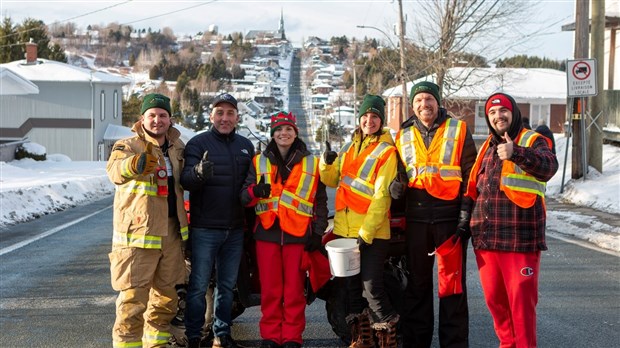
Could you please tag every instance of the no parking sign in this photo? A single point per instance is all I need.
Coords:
(581, 78)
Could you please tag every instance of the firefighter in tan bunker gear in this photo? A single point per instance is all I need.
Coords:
(146, 261)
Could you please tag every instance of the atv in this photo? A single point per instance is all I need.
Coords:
(334, 293)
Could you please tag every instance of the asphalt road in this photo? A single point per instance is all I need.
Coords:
(55, 291)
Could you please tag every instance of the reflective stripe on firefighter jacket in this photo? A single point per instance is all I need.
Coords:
(292, 202)
(358, 175)
(520, 187)
(438, 168)
(140, 214)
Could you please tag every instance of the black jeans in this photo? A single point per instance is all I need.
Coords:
(368, 286)
(418, 320)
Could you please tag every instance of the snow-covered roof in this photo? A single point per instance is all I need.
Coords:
(523, 84)
(49, 70)
(14, 84)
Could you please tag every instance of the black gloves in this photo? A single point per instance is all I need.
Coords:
(361, 244)
(463, 230)
(262, 190)
(329, 156)
(204, 168)
(314, 242)
(398, 186)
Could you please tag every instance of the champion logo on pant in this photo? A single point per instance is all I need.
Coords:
(527, 271)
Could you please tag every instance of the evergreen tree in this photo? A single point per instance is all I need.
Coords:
(9, 42)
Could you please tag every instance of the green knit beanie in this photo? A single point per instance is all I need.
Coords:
(155, 100)
(373, 103)
(425, 87)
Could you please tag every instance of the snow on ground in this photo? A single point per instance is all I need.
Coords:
(29, 189)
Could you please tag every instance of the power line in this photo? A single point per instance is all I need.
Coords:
(169, 13)
(66, 20)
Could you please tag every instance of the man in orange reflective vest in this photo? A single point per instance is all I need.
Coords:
(507, 183)
(436, 153)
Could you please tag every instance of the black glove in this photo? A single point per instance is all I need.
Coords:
(314, 242)
(204, 168)
(329, 156)
(398, 186)
(462, 229)
(361, 244)
(262, 190)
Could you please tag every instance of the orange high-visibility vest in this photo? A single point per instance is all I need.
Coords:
(293, 202)
(520, 187)
(358, 176)
(438, 168)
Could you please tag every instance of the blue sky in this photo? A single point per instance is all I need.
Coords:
(322, 18)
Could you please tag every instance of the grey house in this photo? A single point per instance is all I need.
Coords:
(69, 114)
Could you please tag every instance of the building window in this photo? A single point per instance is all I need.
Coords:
(538, 112)
(480, 123)
(102, 106)
(115, 109)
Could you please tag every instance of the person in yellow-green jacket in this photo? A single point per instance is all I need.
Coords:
(150, 225)
(362, 172)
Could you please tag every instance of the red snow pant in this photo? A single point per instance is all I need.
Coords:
(510, 284)
(283, 303)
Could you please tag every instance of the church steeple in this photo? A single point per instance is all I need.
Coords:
(281, 27)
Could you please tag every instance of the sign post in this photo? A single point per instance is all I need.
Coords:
(581, 83)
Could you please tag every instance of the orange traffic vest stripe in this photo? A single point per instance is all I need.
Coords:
(358, 175)
(520, 187)
(293, 202)
(438, 168)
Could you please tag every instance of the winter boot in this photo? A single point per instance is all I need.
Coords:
(386, 333)
(361, 332)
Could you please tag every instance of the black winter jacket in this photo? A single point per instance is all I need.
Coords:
(420, 205)
(215, 202)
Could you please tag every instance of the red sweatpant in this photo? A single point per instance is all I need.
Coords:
(510, 284)
(283, 303)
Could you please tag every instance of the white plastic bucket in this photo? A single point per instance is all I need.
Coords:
(344, 257)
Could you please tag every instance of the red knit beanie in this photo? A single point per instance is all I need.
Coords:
(282, 118)
(497, 100)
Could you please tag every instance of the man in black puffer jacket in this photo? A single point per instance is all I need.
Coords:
(216, 165)
(437, 153)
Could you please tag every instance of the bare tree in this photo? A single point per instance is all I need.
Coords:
(448, 29)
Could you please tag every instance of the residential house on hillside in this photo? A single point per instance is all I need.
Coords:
(539, 93)
(71, 111)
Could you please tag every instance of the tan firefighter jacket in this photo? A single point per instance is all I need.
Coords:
(140, 213)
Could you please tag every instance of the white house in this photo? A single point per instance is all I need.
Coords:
(70, 112)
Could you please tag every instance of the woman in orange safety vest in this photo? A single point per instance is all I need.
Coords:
(291, 206)
(362, 172)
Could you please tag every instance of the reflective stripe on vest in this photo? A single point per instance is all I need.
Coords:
(357, 185)
(436, 169)
(136, 240)
(521, 188)
(515, 180)
(293, 200)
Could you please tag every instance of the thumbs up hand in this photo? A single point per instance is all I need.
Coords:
(329, 156)
(262, 190)
(145, 162)
(204, 168)
(505, 150)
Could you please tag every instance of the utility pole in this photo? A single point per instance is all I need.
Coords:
(581, 51)
(403, 72)
(595, 139)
